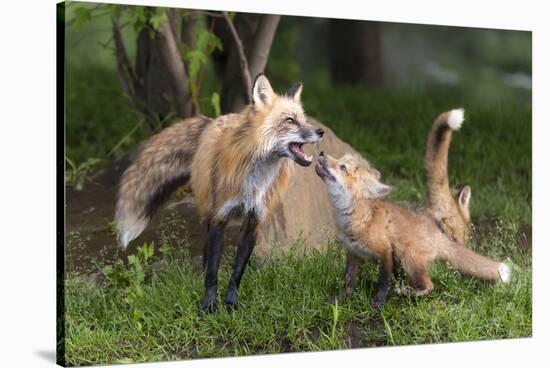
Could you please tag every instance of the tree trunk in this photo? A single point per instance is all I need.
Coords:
(161, 77)
(259, 50)
(355, 52)
(169, 54)
(152, 97)
(233, 94)
(256, 33)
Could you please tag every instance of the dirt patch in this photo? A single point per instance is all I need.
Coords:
(367, 333)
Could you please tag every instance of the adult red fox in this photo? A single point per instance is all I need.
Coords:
(236, 166)
(373, 228)
(449, 207)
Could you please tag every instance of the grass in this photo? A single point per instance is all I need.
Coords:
(286, 307)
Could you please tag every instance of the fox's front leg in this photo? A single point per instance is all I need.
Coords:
(212, 256)
(385, 274)
(350, 276)
(244, 250)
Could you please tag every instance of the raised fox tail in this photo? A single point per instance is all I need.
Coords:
(470, 263)
(437, 151)
(162, 166)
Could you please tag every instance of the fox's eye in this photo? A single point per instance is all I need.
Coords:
(290, 121)
(344, 168)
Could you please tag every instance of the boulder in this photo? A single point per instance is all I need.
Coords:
(305, 213)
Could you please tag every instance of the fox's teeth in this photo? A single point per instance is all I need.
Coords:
(308, 157)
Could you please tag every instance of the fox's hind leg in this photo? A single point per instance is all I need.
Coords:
(244, 250)
(417, 272)
(212, 256)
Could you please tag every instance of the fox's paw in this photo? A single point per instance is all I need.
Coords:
(209, 308)
(210, 304)
(505, 273)
(231, 300)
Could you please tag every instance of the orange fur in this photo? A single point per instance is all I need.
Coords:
(371, 227)
(449, 207)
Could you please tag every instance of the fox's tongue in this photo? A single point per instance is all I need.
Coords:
(302, 158)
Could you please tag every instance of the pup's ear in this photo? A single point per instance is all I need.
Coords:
(464, 197)
(372, 188)
(295, 91)
(376, 173)
(379, 189)
(262, 93)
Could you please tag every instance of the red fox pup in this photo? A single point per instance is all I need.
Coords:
(448, 207)
(372, 228)
(237, 166)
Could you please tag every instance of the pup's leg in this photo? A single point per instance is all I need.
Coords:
(350, 277)
(212, 252)
(244, 250)
(385, 274)
(417, 272)
(352, 268)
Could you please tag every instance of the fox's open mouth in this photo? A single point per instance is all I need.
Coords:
(322, 171)
(299, 156)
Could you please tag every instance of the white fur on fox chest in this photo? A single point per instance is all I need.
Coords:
(256, 185)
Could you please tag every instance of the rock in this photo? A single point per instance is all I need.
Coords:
(305, 213)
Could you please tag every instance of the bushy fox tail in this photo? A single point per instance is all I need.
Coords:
(437, 151)
(162, 165)
(470, 263)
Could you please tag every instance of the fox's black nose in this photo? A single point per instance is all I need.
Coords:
(320, 132)
(322, 153)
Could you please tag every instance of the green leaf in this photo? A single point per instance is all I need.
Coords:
(139, 17)
(158, 20)
(215, 101)
(195, 59)
(208, 41)
(82, 15)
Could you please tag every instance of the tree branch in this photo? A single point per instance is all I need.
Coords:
(261, 45)
(171, 58)
(245, 71)
(125, 71)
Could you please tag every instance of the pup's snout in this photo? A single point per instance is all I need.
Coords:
(322, 153)
(320, 132)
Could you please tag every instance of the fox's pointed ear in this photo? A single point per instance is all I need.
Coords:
(262, 93)
(295, 91)
(376, 189)
(464, 197)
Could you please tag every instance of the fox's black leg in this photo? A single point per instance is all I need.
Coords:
(213, 252)
(204, 249)
(385, 274)
(244, 250)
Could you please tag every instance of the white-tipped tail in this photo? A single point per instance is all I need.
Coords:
(128, 229)
(505, 273)
(456, 118)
